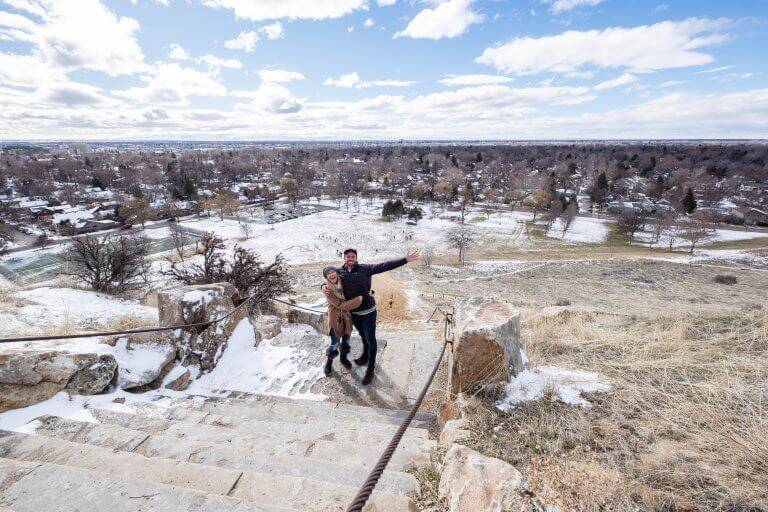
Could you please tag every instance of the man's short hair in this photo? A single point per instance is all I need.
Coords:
(346, 251)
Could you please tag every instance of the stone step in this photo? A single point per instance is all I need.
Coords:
(289, 492)
(305, 411)
(353, 432)
(289, 462)
(211, 480)
(45, 487)
(311, 446)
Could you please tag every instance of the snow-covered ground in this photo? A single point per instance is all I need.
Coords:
(45, 308)
(272, 367)
(563, 385)
(720, 235)
(583, 230)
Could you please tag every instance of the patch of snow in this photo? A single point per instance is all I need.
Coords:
(564, 385)
(140, 360)
(266, 368)
(583, 230)
(198, 297)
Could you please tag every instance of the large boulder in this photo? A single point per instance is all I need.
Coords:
(312, 315)
(141, 363)
(31, 376)
(201, 304)
(487, 348)
(472, 482)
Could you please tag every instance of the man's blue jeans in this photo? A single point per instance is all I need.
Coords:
(336, 343)
(366, 326)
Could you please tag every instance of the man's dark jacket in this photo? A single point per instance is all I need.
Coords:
(358, 280)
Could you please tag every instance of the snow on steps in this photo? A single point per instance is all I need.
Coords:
(245, 453)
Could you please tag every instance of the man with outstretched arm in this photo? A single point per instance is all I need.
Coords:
(356, 281)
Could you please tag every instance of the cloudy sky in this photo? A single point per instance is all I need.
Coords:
(383, 69)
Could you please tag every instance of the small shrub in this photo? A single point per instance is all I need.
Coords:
(726, 279)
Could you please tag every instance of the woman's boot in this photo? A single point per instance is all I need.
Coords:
(343, 359)
(329, 363)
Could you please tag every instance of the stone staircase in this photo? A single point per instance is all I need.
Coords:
(240, 453)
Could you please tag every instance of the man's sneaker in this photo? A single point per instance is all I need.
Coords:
(328, 367)
(368, 377)
(344, 361)
(362, 360)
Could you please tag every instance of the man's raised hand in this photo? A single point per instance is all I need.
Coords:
(412, 256)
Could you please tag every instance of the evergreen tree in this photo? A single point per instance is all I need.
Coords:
(689, 201)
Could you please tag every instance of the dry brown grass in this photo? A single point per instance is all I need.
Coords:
(391, 301)
(427, 498)
(685, 429)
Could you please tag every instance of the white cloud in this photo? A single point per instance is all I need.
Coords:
(625, 79)
(214, 62)
(73, 94)
(26, 70)
(258, 10)
(384, 3)
(172, 83)
(449, 18)
(272, 98)
(177, 52)
(353, 80)
(559, 6)
(491, 99)
(670, 83)
(642, 49)
(279, 75)
(245, 41)
(368, 23)
(273, 30)
(714, 70)
(462, 80)
(76, 34)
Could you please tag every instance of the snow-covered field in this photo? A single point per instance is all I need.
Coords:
(45, 308)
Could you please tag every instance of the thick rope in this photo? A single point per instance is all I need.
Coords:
(373, 478)
(199, 325)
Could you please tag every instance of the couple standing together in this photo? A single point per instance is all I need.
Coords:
(351, 303)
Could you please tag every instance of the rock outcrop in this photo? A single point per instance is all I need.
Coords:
(294, 315)
(454, 431)
(141, 364)
(487, 347)
(472, 482)
(201, 304)
(31, 376)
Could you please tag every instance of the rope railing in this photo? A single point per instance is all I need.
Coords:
(373, 478)
(197, 325)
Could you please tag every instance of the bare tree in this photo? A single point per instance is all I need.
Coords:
(243, 269)
(697, 230)
(223, 203)
(555, 210)
(662, 223)
(538, 202)
(180, 239)
(461, 238)
(245, 225)
(136, 210)
(629, 223)
(110, 264)
(570, 214)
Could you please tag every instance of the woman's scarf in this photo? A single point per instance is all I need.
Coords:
(337, 291)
